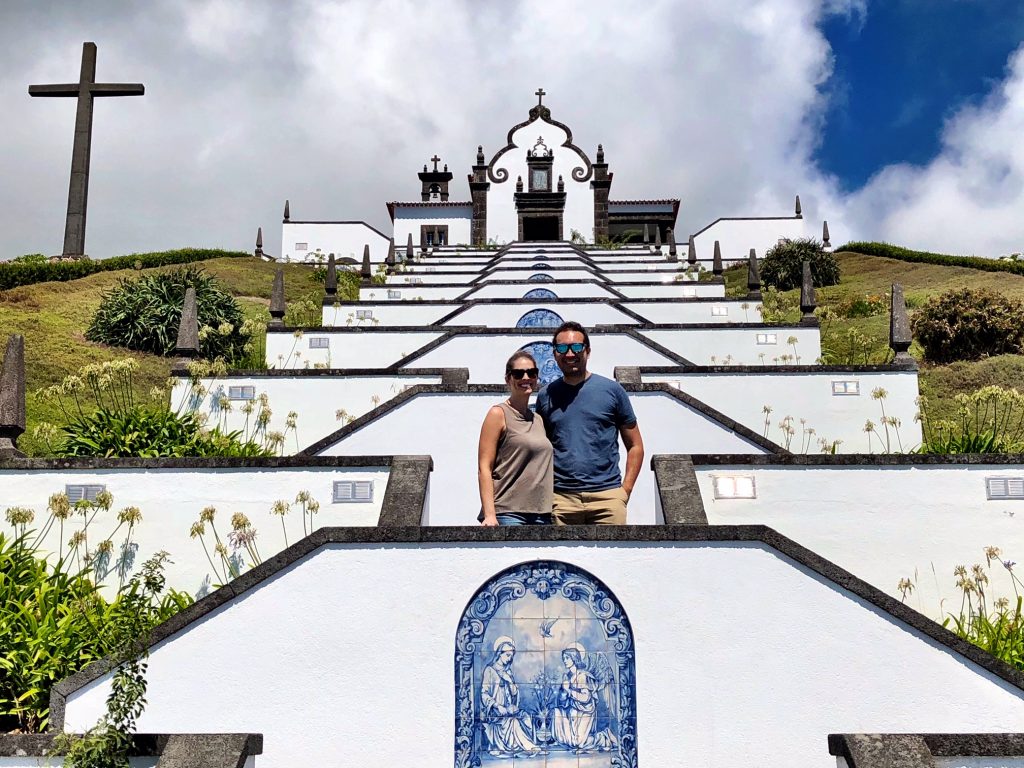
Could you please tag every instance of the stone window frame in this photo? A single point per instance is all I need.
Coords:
(427, 235)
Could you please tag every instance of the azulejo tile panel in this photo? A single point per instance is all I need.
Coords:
(539, 318)
(544, 673)
(545, 357)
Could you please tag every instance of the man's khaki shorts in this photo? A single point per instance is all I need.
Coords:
(590, 507)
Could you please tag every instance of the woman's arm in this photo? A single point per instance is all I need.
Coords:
(490, 433)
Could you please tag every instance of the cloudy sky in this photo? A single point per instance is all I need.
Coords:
(900, 120)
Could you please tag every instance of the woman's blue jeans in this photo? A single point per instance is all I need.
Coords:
(524, 518)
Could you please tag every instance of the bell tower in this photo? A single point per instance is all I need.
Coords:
(435, 183)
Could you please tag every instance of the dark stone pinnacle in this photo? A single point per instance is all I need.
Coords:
(657, 239)
(807, 301)
(900, 336)
(12, 397)
(258, 253)
(287, 210)
(716, 262)
(331, 279)
(647, 234)
(390, 258)
(277, 302)
(753, 277)
(672, 252)
(85, 90)
(408, 248)
(367, 271)
(799, 212)
(824, 236)
(691, 251)
(188, 332)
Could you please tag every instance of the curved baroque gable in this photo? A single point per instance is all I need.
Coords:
(544, 668)
(540, 112)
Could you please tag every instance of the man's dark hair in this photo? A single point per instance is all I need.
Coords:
(571, 325)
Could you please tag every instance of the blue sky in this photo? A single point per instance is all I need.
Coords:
(901, 69)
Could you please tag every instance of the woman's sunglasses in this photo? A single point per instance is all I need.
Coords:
(518, 373)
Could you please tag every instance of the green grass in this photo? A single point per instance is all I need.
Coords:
(53, 318)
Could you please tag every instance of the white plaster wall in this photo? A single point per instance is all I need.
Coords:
(390, 313)
(502, 219)
(506, 316)
(563, 290)
(342, 239)
(808, 399)
(429, 278)
(347, 349)
(412, 292)
(315, 399)
(737, 237)
(700, 345)
(626, 257)
(885, 523)
(558, 274)
(442, 265)
(171, 499)
(676, 290)
(554, 259)
(362, 673)
(673, 311)
(409, 220)
(485, 356)
(654, 274)
(667, 426)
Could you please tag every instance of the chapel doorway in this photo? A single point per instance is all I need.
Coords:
(537, 228)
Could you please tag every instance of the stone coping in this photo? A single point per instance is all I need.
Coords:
(195, 462)
(858, 459)
(398, 400)
(470, 286)
(483, 330)
(426, 536)
(174, 750)
(917, 750)
(745, 218)
(760, 369)
(671, 300)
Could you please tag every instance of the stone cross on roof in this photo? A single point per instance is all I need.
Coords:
(540, 93)
(84, 90)
(435, 160)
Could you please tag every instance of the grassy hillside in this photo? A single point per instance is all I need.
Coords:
(53, 317)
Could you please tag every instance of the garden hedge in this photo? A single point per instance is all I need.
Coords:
(926, 257)
(14, 274)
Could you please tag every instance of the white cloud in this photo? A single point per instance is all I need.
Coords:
(336, 105)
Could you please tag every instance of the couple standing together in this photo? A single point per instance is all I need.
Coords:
(559, 464)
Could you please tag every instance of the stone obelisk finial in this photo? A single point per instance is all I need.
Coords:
(331, 279)
(12, 397)
(408, 248)
(824, 236)
(807, 301)
(187, 347)
(287, 211)
(753, 277)
(258, 253)
(647, 234)
(673, 254)
(691, 251)
(900, 337)
(798, 212)
(277, 303)
(657, 239)
(716, 264)
(367, 271)
(390, 258)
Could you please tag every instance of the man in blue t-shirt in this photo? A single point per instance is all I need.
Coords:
(585, 415)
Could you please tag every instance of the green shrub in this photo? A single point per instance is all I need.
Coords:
(783, 264)
(925, 257)
(55, 621)
(15, 273)
(30, 258)
(144, 313)
(988, 420)
(968, 324)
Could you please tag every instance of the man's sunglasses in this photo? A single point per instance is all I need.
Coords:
(577, 347)
(518, 373)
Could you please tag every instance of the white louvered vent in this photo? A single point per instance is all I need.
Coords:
(767, 338)
(394, 294)
(719, 311)
(1005, 487)
(246, 392)
(319, 342)
(353, 491)
(302, 246)
(846, 387)
(76, 493)
(735, 487)
(364, 314)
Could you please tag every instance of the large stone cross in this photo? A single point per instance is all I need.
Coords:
(540, 93)
(435, 160)
(84, 90)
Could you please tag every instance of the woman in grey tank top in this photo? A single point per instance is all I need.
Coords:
(515, 458)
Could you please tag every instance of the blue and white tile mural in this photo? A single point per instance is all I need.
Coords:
(540, 277)
(544, 673)
(545, 357)
(539, 318)
(540, 293)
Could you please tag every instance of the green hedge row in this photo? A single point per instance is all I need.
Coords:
(14, 274)
(925, 257)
